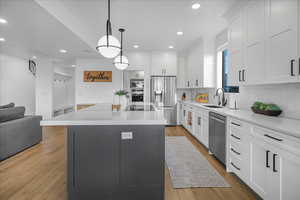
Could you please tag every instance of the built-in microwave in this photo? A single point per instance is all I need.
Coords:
(137, 83)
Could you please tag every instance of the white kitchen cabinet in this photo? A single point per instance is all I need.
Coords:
(288, 166)
(205, 129)
(282, 40)
(275, 165)
(181, 71)
(197, 126)
(164, 63)
(264, 42)
(258, 178)
(235, 68)
(236, 53)
(255, 58)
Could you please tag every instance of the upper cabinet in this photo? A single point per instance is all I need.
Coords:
(235, 33)
(264, 43)
(164, 63)
(197, 65)
(255, 26)
(282, 39)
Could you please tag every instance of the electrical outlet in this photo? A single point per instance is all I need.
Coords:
(126, 135)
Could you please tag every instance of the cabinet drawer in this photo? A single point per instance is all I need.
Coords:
(236, 135)
(236, 149)
(235, 165)
(281, 140)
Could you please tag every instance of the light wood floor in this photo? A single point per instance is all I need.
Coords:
(39, 173)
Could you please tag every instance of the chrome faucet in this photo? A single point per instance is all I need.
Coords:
(223, 101)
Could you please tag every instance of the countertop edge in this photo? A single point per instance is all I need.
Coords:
(101, 123)
(284, 131)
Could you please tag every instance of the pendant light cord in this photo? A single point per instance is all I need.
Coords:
(108, 25)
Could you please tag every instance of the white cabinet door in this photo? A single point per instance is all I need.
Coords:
(164, 63)
(235, 68)
(288, 167)
(235, 32)
(258, 166)
(205, 130)
(255, 61)
(282, 41)
(197, 126)
(236, 63)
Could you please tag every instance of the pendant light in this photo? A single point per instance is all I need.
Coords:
(108, 46)
(121, 62)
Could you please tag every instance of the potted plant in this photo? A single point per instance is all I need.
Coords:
(120, 94)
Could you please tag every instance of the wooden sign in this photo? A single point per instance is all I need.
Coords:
(97, 76)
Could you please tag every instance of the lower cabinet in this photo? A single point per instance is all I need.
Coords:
(274, 171)
(201, 126)
(104, 162)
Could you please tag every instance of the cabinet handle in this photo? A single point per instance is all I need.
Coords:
(274, 162)
(243, 75)
(274, 138)
(235, 137)
(239, 75)
(299, 66)
(199, 121)
(235, 166)
(188, 83)
(234, 151)
(196, 82)
(292, 67)
(267, 159)
(235, 124)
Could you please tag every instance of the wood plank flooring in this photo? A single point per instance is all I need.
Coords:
(39, 173)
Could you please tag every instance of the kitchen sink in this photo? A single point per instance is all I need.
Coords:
(213, 106)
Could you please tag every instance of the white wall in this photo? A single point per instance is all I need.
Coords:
(17, 84)
(63, 87)
(102, 92)
(44, 87)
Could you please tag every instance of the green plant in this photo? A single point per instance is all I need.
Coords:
(263, 106)
(121, 92)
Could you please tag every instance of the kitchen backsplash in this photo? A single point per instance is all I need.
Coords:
(286, 96)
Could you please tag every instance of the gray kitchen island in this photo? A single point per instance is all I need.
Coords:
(114, 155)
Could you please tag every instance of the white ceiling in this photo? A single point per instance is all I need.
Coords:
(33, 31)
(152, 24)
(45, 26)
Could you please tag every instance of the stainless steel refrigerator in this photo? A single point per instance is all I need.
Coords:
(163, 96)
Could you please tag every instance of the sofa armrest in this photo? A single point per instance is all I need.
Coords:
(17, 135)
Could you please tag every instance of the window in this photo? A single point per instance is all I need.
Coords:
(223, 70)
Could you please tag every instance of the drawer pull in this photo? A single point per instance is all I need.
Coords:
(235, 124)
(235, 166)
(274, 162)
(274, 138)
(236, 137)
(234, 151)
(267, 159)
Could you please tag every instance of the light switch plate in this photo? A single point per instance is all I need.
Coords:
(126, 135)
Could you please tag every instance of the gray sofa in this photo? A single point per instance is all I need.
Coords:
(19, 134)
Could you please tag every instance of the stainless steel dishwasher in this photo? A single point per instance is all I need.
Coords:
(217, 136)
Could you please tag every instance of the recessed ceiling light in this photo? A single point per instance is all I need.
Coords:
(171, 47)
(63, 51)
(33, 57)
(179, 33)
(2, 39)
(3, 21)
(196, 6)
(73, 65)
(136, 46)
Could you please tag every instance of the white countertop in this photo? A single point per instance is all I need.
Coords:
(279, 124)
(101, 114)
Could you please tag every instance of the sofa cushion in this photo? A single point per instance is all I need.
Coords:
(9, 114)
(10, 105)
